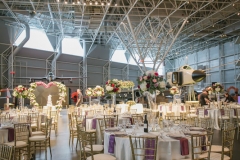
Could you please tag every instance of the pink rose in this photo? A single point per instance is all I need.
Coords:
(145, 77)
(140, 78)
(154, 80)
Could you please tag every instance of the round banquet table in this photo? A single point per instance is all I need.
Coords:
(167, 148)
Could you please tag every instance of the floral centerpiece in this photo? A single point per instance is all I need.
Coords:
(113, 86)
(174, 90)
(98, 91)
(130, 103)
(20, 92)
(151, 81)
(127, 84)
(61, 89)
(89, 92)
(218, 88)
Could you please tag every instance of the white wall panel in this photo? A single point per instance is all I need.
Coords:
(214, 52)
(228, 48)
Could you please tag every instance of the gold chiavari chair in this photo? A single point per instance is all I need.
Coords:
(236, 119)
(224, 116)
(175, 119)
(42, 141)
(137, 118)
(226, 148)
(6, 152)
(110, 121)
(54, 116)
(201, 145)
(34, 117)
(20, 143)
(143, 147)
(24, 118)
(72, 129)
(88, 148)
(101, 125)
(206, 123)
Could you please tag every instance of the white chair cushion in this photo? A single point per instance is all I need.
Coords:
(102, 157)
(19, 144)
(92, 130)
(192, 115)
(37, 138)
(218, 148)
(217, 156)
(33, 125)
(96, 148)
(38, 133)
(224, 117)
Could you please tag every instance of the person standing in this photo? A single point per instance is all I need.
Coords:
(79, 98)
(203, 98)
(228, 98)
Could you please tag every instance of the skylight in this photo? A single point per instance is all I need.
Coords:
(72, 46)
(38, 40)
(119, 56)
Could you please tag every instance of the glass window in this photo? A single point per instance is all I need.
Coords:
(72, 46)
(38, 40)
(119, 56)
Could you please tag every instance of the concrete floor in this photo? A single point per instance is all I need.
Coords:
(62, 151)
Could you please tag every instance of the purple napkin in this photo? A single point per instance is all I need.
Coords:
(150, 146)
(205, 112)
(184, 146)
(111, 122)
(160, 108)
(84, 122)
(10, 134)
(111, 144)
(203, 141)
(94, 122)
(235, 111)
(182, 108)
(222, 112)
(197, 113)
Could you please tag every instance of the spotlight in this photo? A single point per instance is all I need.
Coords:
(84, 4)
(102, 3)
(116, 4)
(73, 3)
(65, 2)
(96, 3)
(108, 4)
(78, 2)
(90, 3)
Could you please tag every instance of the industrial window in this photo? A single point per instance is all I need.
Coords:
(72, 46)
(38, 40)
(119, 56)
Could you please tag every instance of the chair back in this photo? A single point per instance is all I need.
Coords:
(24, 118)
(34, 117)
(137, 118)
(88, 139)
(101, 125)
(206, 123)
(143, 147)
(175, 119)
(48, 127)
(21, 132)
(201, 145)
(228, 139)
(133, 111)
(6, 152)
(110, 121)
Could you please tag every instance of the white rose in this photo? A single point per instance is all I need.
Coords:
(115, 80)
(151, 72)
(157, 92)
(99, 92)
(143, 86)
(162, 84)
(109, 88)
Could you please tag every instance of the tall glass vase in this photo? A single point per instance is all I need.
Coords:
(21, 103)
(90, 100)
(218, 99)
(98, 98)
(113, 100)
(151, 98)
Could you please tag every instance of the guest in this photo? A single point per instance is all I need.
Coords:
(235, 97)
(79, 98)
(228, 98)
(203, 98)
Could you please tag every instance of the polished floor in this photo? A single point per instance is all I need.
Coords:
(62, 151)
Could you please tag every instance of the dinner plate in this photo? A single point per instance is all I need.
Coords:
(174, 135)
(112, 129)
(196, 129)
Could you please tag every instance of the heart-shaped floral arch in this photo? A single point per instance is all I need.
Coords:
(61, 90)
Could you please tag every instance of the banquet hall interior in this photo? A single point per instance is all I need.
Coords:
(119, 79)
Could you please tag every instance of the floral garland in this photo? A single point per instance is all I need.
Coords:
(217, 87)
(127, 84)
(113, 86)
(174, 90)
(61, 90)
(89, 92)
(151, 81)
(98, 91)
(20, 91)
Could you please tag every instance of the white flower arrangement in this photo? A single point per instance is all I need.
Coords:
(98, 91)
(174, 90)
(20, 91)
(89, 92)
(127, 84)
(113, 86)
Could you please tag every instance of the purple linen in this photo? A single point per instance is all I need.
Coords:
(111, 144)
(222, 112)
(131, 120)
(205, 112)
(197, 113)
(184, 146)
(203, 141)
(84, 122)
(150, 146)
(10, 134)
(182, 108)
(94, 122)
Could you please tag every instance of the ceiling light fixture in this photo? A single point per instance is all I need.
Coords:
(238, 13)
(84, 3)
(90, 2)
(108, 3)
(73, 2)
(57, 0)
(96, 3)
(102, 4)
(116, 4)
(78, 2)
(65, 2)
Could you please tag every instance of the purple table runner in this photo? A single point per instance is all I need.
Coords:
(94, 123)
(111, 144)
(150, 146)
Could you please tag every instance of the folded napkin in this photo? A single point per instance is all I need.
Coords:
(111, 144)
(94, 123)
(10, 134)
(150, 149)
(222, 112)
(184, 146)
(182, 108)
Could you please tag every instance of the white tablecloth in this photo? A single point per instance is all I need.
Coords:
(167, 149)
(3, 135)
(124, 107)
(176, 109)
(139, 108)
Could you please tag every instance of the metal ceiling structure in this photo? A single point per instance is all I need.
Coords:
(147, 29)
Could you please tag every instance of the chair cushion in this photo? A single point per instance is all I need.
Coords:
(38, 133)
(92, 130)
(33, 125)
(19, 144)
(192, 115)
(218, 148)
(102, 157)
(217, 156)
(37, 138)
(96, 148)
